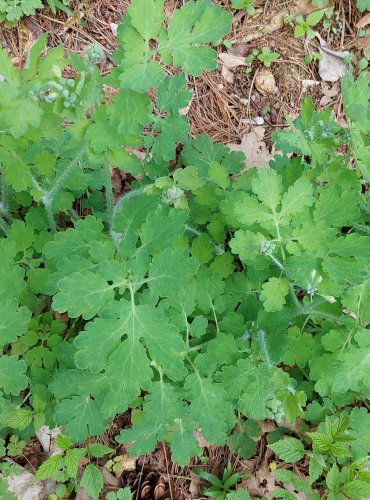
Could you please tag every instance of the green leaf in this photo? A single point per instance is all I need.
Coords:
(239, 494)
(241, 442)
(20, 419)
(333, 477)
(268, 187)
(300, 348)
(171, 270)
(289, 449)
(13, 321)
(249, 211)
(121, 494)
(80, 417)
(357, 490)
(315, 467)
(241, 4)
(75, 241)
(336, 207)
(210, 407)
(218, 174)
(72, 459)
(192, 25)
(298, 196)
(8, 72)
(146, 17)
(251, 397)
(273, 294)
(172, 130)
(299, 31)
(33, 56)
(363, 5)
(315, 17)
(92, 481)
(49, 468)
(12, 375)
(162, 228)
(188, 178)
(184, 445)
(83, 294)
(288, 477)
(161, 407)
(291, 400)
(98, 450)
(129, 112)
(172, 95)
(202, 153)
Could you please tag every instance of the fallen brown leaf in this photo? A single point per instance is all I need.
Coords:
(228, 62)
(265, 82)
(232, 61)
(261, 481)
(331, 66)
(255, 149)
(364, 21)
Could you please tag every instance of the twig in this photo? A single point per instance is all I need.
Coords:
(250, 93)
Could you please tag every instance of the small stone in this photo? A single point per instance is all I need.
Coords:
(259, 120)
(114, 28)
(309, 83)
(265, 82)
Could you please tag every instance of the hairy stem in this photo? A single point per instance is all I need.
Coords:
(48, 199)
(3, 204)
(261, 337)
(3, 225)
(107, 180)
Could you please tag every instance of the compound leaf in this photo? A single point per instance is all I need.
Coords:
(194, 24)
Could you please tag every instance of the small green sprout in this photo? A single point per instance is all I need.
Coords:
(220, 487)
(304, 26)
(267, 57)
(309, 58)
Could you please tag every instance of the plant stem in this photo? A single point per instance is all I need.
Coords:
(277, 262)
(261, 337)
(107, 180)
(48, 199)
(3, 226)
(294, 297)
(117, 207)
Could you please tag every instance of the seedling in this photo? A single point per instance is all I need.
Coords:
(304, 26)
(267, 57)
(220, 487)
(314, 56)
